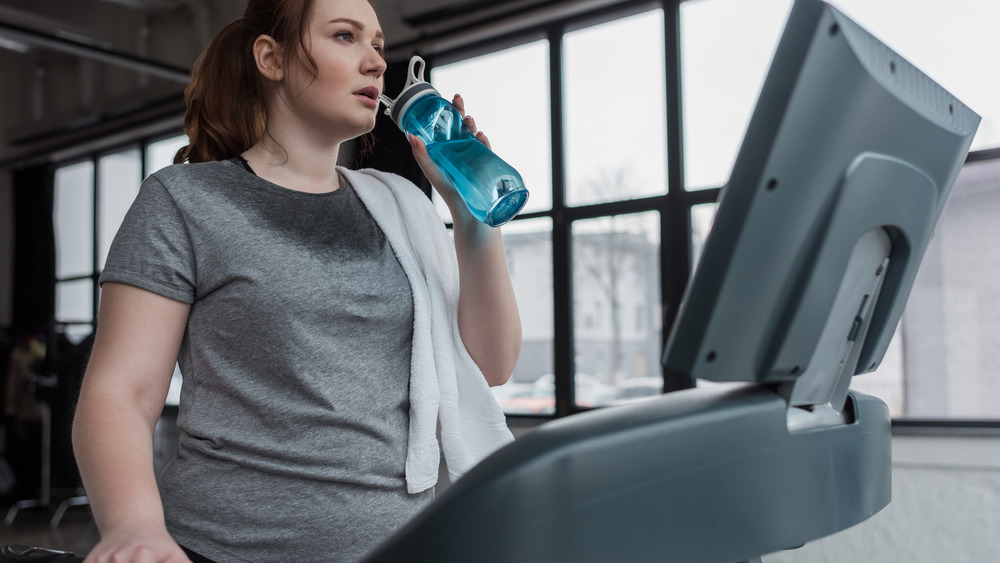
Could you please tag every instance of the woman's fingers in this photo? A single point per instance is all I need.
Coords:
(470, 123)
(482, 138)
(459, 104)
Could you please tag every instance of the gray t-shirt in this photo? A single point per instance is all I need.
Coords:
(296, 359)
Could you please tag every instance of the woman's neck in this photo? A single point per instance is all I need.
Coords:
(295, 163)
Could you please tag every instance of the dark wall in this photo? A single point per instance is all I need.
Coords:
(33, 309)
(34, 250)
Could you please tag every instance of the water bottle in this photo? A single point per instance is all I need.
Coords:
(491, 189)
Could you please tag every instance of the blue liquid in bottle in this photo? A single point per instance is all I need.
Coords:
(492, 190)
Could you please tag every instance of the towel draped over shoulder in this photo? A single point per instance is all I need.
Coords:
(448, 392)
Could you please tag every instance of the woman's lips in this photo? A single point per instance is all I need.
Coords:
(368, 96)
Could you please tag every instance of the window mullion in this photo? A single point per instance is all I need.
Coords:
(675, 228)
(562, 268)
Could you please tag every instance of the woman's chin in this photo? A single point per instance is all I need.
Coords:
(363, 127)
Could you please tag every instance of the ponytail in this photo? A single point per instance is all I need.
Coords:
(225, 106)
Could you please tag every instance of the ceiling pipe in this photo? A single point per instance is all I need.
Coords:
(12, 45)
(104, 54)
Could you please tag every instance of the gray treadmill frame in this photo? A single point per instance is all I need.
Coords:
(703, 475)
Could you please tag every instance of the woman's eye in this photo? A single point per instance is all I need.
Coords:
(344, 36)
(378, 48)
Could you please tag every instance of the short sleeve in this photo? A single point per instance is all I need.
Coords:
(153, 248)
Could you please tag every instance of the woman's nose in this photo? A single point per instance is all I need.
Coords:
(375, 64)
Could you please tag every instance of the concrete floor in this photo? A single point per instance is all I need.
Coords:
(76, 532)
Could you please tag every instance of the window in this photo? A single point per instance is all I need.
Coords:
(625, 123)
(597, 191)
(701, 223)
(529, 251)
(118, 175)
(616, 263)
(726, 48)
(612, 155)
(73, 221)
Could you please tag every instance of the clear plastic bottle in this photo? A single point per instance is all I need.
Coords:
(492, 190)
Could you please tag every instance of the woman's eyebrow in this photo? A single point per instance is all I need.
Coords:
(355, 23)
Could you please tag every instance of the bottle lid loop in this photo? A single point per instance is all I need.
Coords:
(413, 77)
(414, 88)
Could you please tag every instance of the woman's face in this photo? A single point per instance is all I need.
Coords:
(345, 41)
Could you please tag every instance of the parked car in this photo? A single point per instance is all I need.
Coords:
(638, 389)
(590, 390)
(522, 398)
(539, 397)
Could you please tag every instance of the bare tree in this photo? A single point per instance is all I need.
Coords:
(605, 257)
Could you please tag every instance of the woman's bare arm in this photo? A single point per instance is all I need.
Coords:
(488, 318)
(138, 338)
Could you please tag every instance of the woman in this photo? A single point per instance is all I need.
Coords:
(325, 326)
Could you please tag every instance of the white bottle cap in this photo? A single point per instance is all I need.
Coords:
(415, 87)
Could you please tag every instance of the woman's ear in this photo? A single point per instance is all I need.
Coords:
(268, 56)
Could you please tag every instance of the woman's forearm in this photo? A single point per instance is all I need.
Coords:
(128, 375)
(488, 318)
(113, 444)
(487, 311)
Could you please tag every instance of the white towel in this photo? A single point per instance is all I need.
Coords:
(447, 388)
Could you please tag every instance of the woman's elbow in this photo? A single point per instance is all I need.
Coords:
(497, 379)
(500, 370)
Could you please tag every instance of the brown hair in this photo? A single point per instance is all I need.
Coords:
(225, 98)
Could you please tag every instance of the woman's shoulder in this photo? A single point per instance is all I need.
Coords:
(187, 173)
(190, 183)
